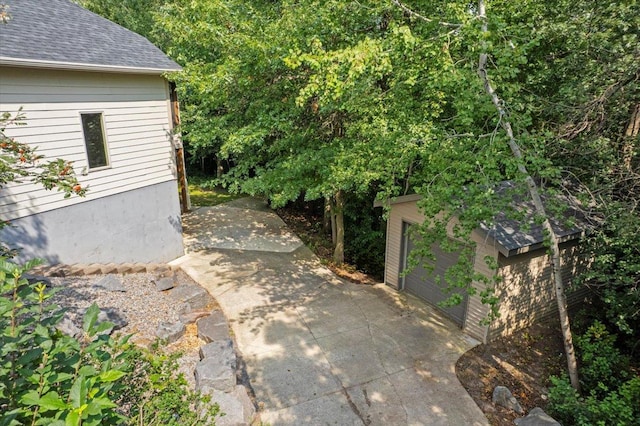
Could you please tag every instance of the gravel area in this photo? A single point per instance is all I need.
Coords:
(140, 304)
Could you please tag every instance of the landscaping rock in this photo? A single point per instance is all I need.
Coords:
(215, 374)
(537, 417)
(110, 283)
(191, 317)
(93, 269)
(164, 283)
(236, 405)
(113, 316)
(68, 327)
(109, 268)
(213, 327)
(221, 350)
(196, 297)
(503, 397)
(170, 332)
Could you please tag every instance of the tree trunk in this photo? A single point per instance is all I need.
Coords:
(630, 136)
(326, 219)
(219, 168)
(338, 252)
(554, 250)
(332, 215)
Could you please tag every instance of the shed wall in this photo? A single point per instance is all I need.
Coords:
(408, 212)
(527, 291)
(137, 123)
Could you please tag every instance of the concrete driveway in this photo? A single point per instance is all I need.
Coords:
(319, 350)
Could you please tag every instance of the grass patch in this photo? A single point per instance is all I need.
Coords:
(204, 194)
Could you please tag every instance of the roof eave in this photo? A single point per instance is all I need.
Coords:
(579, 234)
(35, 63)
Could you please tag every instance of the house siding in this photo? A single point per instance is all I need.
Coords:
(136, 117)
(527, 291)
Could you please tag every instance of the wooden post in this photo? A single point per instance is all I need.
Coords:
(185, 200)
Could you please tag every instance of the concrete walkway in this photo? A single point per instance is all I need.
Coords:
(319, 350)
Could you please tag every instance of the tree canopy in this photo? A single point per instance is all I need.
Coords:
(339, 99)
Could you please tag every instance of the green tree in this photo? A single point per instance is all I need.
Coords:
(20, 162)
(327, 100)
(135, 15)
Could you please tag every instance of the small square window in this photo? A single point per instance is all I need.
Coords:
(94, 140)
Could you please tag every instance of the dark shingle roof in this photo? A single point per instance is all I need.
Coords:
(59, 33)
(519, 236)
(516, 236)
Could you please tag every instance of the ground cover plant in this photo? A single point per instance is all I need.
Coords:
(48, 377)
(204, 192)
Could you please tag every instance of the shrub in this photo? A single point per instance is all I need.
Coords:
(602, 365)
(47, 377)
(610, 398)
(157, 395)
(618, 407)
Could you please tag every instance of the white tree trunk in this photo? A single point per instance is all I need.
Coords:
(554, 249)
(338, 253)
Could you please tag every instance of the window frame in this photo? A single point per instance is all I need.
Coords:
(105, 142)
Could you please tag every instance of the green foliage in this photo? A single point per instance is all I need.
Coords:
(611, 394)
(205, 192)
(617, 407)
(136, 15)
(615, 273)
(48, 377)
(307, 98)
(158, 395)
(365, 233)
(20, 162)
(603, 366)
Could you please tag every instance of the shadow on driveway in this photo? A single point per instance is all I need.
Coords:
(320, 350)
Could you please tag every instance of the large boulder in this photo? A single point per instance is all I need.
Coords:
(537, 417)
(503, 397)
(213, 327)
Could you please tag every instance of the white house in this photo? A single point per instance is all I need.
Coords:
(93, 93)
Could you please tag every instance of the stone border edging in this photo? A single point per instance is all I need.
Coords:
(80, 269)
(218, 372)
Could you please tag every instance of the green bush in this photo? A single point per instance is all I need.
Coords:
(47, 377)
(157, 395)
(610, 397)
(619, 407)
(602, 365)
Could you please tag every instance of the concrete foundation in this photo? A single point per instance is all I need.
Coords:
(142, 225)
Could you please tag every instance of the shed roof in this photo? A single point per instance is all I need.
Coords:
(62, 35)
(515, 237)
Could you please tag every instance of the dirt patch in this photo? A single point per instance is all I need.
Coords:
(308, 227)
(522, 362)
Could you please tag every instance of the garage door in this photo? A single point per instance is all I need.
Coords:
(425, 285)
